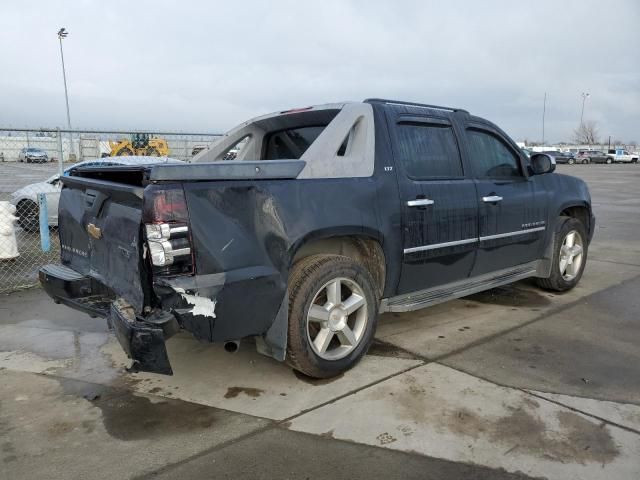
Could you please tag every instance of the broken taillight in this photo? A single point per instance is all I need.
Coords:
(166, 222)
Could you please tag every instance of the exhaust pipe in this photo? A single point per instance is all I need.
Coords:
(232, 346)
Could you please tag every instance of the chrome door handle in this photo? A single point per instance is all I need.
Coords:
(420, 202)
(492, 199)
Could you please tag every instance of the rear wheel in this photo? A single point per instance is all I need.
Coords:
(609, 161)
(585, 161)
(569, 256)
(333, 309)
(28, 211)
(571, 161)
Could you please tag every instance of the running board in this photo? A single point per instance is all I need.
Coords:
(425, 298)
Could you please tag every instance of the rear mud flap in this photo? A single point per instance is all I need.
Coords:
(143, 343)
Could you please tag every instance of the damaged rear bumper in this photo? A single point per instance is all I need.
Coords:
(143, 339)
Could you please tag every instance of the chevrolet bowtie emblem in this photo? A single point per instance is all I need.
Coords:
(94, 231)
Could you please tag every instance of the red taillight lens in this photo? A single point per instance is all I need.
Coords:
(164, 204)
(166, 221)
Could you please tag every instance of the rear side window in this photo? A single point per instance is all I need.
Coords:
(291, 143)
(428, 150)
(491, 157)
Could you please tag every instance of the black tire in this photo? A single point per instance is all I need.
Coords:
(27, 212)
(609, 161)
(124, 151)
(307, 278)
(571, 161)
(556, 281)
(585, 161)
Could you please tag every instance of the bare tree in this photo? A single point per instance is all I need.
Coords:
(586, 134)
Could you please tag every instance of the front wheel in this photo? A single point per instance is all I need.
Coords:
(333, 310)
(569, 256)
(609, 161)
(585, 161)
(571, 161)
(124, 152)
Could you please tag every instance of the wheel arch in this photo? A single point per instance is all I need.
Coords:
(363, 246)
(580, 210)
(24, 199)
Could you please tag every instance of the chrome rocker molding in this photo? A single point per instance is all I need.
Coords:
(472, 240)
(512, 234)
(440, 245)
(432, 296)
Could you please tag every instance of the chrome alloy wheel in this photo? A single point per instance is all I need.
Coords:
(337, 319)
(571, 255)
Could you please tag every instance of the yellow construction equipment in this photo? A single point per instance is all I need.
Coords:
(140, 144)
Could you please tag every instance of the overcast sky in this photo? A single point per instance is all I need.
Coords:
(205, 65)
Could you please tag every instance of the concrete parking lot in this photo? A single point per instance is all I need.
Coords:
(512, 383)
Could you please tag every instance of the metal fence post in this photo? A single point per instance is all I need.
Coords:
(45, 241)
(60, 169)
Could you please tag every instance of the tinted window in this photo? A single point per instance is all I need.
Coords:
(292, 143)
(428, 150)
(491, 157)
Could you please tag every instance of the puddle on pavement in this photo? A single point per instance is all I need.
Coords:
(577, 441)
(127, 416)
(233, 392)
(574, 439)
(511, 296)
(383, 349)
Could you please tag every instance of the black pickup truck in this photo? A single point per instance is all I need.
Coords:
(325, 217)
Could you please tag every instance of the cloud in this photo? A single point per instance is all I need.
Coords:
(199, 65)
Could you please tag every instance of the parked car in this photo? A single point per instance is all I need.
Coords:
(591, 156)
(33, 155)
(621, 156)
(328, 216)
(26, 198)
(562, 157)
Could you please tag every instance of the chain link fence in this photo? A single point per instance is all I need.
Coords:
(31, 163)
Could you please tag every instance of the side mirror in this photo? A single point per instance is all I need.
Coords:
(541, 163)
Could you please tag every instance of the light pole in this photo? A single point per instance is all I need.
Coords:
(544, 111)
(62, 33)
(584, 97)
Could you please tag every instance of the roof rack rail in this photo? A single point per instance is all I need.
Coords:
(414, 104)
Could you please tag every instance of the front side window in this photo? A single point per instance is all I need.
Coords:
(428, 150)
(491, 157)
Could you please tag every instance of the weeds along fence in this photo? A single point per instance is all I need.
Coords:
(31, 163)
